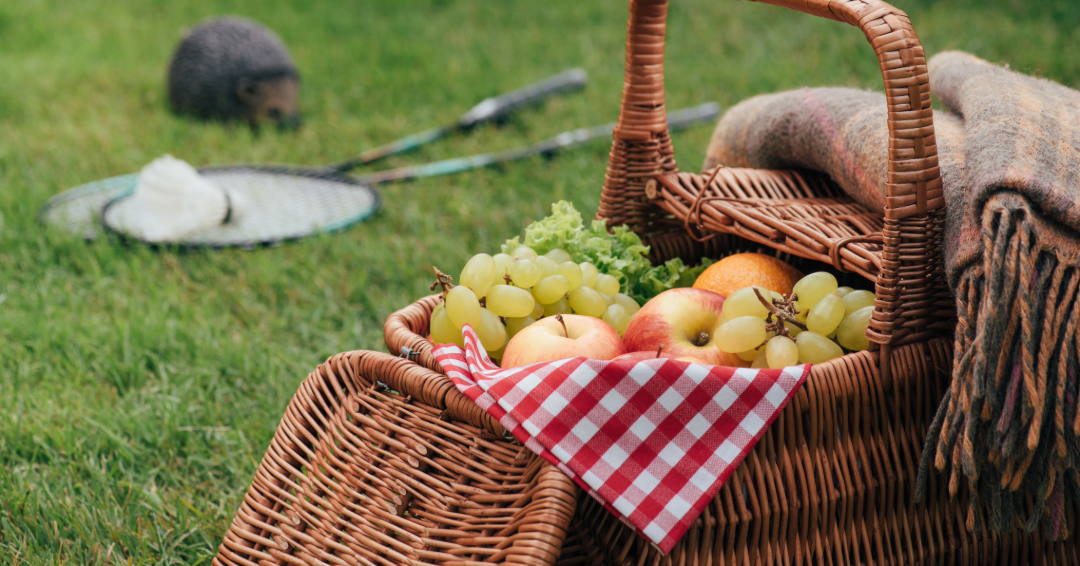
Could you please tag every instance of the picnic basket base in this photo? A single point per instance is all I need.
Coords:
(378, 461)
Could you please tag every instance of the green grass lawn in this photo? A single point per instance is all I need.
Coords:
(139, 389)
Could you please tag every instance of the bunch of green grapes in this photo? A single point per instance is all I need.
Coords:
(520, 288)
(814, 325)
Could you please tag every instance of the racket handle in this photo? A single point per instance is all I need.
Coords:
(502, 105)
(677, 120)
(687, 117)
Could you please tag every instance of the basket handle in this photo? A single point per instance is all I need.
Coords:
(913, 187)
(914, 198)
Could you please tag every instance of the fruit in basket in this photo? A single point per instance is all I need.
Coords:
(551, 289)
(617, 317)
(851, 333)
(463, 306)
(810, 289)
(443, 330)
(815, 348)
(748, 270)
(639, 356)
(587, 301)
(856, 300)
(627, 302)
(478, 274)
(740, 334)
(506, 300)
(560, 337)
(589, 273)
(490, 331)
(525, 273)
(826, 315)
(767, 328)
(684, 322)
(781, 351)
(559, 256)
(562, 306)
(571, 271)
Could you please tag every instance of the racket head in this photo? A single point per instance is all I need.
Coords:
(270, 204)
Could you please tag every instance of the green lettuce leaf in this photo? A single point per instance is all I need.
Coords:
(618, 253)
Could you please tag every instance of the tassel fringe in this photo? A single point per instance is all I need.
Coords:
(1008, 425)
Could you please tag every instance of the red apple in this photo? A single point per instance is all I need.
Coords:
(639, 356)
(547, 340)
(645, 356)
(683, 321)
(693, 360)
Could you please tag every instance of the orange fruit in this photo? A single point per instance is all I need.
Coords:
(746, 270)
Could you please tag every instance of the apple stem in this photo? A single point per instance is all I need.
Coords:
(658, 350)
(441, 280)
(701, 339)
(559, 318)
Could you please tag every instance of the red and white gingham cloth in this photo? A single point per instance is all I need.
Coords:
(653, 441)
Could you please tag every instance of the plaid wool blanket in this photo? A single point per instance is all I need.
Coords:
(1009, 151)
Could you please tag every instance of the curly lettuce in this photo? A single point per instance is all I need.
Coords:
(618, 252)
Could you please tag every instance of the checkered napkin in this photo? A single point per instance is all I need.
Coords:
(653, 441)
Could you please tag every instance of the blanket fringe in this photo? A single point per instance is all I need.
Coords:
(1009, 422)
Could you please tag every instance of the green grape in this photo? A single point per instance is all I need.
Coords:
(463, 306)
(586, 301)
(509, 301)
(551, 289)
(571, 271)
(744, 302)
(561, 306)
(491, 332)
(606, 284)
(826, 315)
(749, 355)
(525, 273)
(443, 330)
(782, 352)
(740, 334)
(852, 331)
(815, 348)
(856, 300)
(792, 329)
(588, 274)
(547, 267)
(617, 317)
(502, 267)
(478, 274)
(775, 296)
(559, 256)
(812, 288)
(497, 354)
(842, 291)
(761, 361)
(517, 324)
(608, 299)
(538, 310)
(627, 303)
(523, 252)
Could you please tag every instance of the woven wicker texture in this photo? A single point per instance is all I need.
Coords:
(358, 474)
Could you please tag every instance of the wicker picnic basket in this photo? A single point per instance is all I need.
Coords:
(380, 460)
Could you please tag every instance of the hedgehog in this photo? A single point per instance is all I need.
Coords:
(232, 68)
